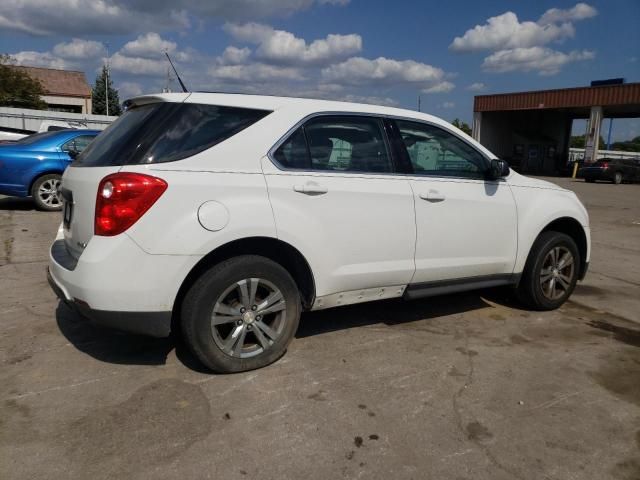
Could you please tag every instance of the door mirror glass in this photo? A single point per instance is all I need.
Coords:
(498, 169)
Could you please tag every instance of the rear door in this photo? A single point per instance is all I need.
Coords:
(466, 224)
(336, 196)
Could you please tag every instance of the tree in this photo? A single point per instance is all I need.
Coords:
(632, 145)
(99, 97)
(464, 126)
(578, 141)
(17, 88)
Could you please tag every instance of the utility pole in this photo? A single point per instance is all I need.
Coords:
(106, 81)
(419, 103)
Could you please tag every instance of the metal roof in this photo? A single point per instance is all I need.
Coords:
(66, 83)
(608, 95)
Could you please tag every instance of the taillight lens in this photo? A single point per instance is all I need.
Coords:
(605, 165)
(122, 199)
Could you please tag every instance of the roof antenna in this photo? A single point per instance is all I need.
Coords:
(184, 89)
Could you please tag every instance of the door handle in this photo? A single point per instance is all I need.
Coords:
(432, 196)
(310, 189)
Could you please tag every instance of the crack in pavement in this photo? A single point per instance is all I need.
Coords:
(458, 415)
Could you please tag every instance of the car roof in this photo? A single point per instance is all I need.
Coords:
(274, 103)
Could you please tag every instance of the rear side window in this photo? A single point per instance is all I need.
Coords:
(165, 132)
(337, 144)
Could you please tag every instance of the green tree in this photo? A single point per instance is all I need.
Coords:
(98, 95)
(632, 145)
(17, 88)
(578, 141)
(464, 126)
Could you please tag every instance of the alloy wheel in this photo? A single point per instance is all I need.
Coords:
(49, 192)
(248, 317)
(557, 272)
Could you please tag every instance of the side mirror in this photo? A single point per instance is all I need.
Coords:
(73, 154)
(498, 169)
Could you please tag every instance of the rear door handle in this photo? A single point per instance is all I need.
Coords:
(432, 196)
(310, 189)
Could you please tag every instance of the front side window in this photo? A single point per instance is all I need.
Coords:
(434, 151)
(166, 132)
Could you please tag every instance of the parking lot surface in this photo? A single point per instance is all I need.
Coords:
(466, 386)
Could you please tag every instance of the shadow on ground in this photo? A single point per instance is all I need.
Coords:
(16, 203)
(111, 346)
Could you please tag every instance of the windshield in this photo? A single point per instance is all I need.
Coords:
(165, 132)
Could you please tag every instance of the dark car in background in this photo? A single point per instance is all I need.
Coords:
(616, 170)
(33, 165)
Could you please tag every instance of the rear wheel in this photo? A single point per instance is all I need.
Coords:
(241, 314)
(46, 192)
(617, 178)
(551, 272)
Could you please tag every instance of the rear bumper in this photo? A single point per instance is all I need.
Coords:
(591, 173)
(154, 324)
(116, 284)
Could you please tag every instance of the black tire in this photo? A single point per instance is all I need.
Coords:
(48, 202)
(530, 290)
(198, 308)
(617, 178)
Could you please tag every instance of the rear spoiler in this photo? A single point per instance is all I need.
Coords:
(155, 98)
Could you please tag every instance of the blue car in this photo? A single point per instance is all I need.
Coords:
(33, 166)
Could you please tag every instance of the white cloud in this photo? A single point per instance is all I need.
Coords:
(129, 89)
(137, 65)
(506, 31)
(149, 45)
(441, 87)
(74, 17)
(385, 71)
(234, 55)
(39, 59)
(255, 72)
(538, 59)
(79, 49)
(580, 11)
(280, 46)
(477, 87)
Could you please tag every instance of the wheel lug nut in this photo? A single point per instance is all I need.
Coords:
(242, 310)
(239, 322)
(254, 307)
(259, 317)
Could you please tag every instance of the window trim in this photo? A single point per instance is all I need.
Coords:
(398, 165)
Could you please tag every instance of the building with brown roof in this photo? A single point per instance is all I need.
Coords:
(65, 90)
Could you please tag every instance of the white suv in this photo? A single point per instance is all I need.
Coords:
(228, 215)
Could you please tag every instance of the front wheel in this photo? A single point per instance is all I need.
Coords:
(551, 271)
(46, 192)
(241, 314)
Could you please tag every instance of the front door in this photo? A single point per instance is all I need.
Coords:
(467, 225)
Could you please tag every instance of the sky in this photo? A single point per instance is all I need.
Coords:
(369, 51)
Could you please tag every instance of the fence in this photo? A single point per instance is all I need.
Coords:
(28, 120)
(577, 154)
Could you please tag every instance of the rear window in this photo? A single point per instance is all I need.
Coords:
(165, 132)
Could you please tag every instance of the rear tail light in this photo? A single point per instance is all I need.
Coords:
(122, 199)
(605, 165)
